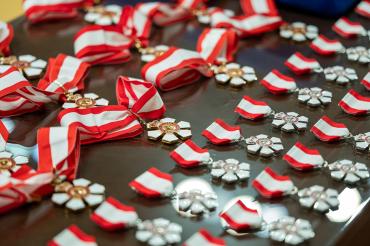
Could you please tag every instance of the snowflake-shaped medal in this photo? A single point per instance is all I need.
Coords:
(290, 230)
(362, 141)
(235, 74)
(88, 100)
(264, 145)
(168, 130)
(340, 75)
(103, 15)
(299, 31)
(348, 171)
(230, 170)
(150, 53)
(29, 65)
(314, 96)
(77, 194)
(359, 53)
(318, 198)
(197, 202)
(204, 15)
(290, 122)
(10, 163)
(158, 232)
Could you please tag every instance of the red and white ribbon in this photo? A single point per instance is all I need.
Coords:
(59, 151)
(103, 123)
(348, 29)
(328, 130)
(141, 97)
(302, 158)
(168, 14)
(6, 37)
(217, 44)
(355, 104)
(299, 64)
(18, 96)
(153, 184)
(102, 45)
(260, 7)
(73, 235)
(22, 187)
(246, 25)
(64, 73)
(113, 215)
(6, 127)
(191, 4)
(175, 68)
(324, 46)
(366, 81)
(363, 8)
(189, 155)
(204, 238)
(239, 217)
(220, 133)
(136, 21)
(44, 10)
(252, 109)
(278, 83)
(272, 185)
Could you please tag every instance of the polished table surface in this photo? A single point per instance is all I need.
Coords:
(115, 163)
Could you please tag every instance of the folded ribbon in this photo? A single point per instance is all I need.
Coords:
(64, 73)
(101, 123)
(6, 37)
(176, 68)
(141, 97)
(44, 10)
(102, 45)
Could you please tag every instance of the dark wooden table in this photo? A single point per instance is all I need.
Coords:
(115, 163)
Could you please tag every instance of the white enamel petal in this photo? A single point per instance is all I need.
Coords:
(286, 33)
(20, 159)
(148, 57)
(5, 154)
(154, 134)
(143, 236)
(69, 105)
(60, 198)
(32, 72)
(91, 16)
(170, 138)
(217, 173)
(233, 66)
(39, 64)
(102, 102)
(184, 125)
(222, 78)
(75, 204)
(229, 177)
(184, 134)
(81, 182)
(26, 58)
(237, 81)
(93, 199)
(91, 95)
(97, 188)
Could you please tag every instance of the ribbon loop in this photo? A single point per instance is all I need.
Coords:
(64, 73)
(103, 123)
(45, 10)
(175, 68)
(6, 37)
(217, 44)
(141, 97)
(102, 45)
